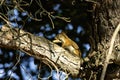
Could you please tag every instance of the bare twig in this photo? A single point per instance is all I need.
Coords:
(13, 68)
(46, 78)
(3, 17)
(109, 52)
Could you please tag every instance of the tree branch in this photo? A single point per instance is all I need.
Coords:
(40, 48)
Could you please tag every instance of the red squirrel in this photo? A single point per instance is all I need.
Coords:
(67, 44)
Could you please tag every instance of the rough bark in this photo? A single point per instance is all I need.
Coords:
(106, 17)
(40, 48)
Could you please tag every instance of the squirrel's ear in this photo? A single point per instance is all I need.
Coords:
(63, 33)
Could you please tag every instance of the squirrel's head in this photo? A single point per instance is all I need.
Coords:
(60, 38)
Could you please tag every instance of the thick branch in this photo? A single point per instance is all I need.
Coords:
(40, 48)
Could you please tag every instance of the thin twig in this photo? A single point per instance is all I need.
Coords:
(109, 52)
(2, 16)
(46, 78)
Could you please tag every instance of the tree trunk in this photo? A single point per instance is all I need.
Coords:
(105, 20)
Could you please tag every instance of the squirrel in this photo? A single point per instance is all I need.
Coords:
(68, 44)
